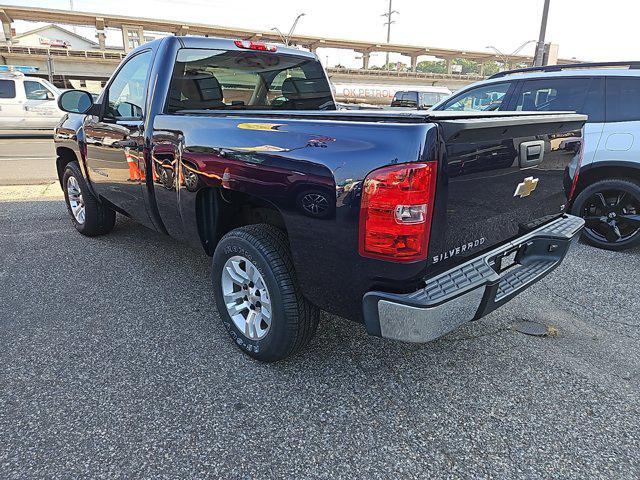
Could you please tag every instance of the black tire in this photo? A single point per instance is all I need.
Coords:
(597, 202)
(98, 218)
(293, 319)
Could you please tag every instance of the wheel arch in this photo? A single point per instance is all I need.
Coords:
(220, 210)
(602, 170)
(64, 156)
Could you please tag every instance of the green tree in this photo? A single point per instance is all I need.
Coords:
(468, 66)
(430, 66)
(491, 68)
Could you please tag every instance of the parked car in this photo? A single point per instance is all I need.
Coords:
(420, 99)
(607, 192)
(28, 103)
(412, 223)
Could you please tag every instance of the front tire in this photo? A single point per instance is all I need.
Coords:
(88, 215)
(611, 209)
(257, 295)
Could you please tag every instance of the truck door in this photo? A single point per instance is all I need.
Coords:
(40, 106)
(115, 139)
(11, 106)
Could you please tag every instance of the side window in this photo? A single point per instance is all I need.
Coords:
(36, 91)
(126, 94)
(594, 103)
(485, 98)
(7, 89)
(553, 94)
(623, 99)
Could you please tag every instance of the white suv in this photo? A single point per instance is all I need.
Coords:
(28, 103)
(607, 193)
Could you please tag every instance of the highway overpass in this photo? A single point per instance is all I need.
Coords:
(98, 64)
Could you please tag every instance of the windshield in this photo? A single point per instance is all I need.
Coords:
(50, 86)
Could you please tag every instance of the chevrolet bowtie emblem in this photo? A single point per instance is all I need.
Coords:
(525, 188)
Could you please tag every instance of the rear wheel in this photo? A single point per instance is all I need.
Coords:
(611, 209)
(88, 215)
(257, 294)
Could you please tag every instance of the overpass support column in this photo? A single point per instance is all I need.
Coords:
(414, 63)
(101, 39)
(365, 60)
(449, 62)
(482, 69)
(6, 28)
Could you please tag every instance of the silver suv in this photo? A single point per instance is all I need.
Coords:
(607, 192)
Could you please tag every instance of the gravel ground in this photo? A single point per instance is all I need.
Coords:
(115, 365)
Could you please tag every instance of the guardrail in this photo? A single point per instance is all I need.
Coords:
(61, 52)
(405, 74)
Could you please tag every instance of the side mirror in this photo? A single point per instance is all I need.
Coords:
(75, 101)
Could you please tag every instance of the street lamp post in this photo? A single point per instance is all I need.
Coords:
(286, 38)
(388, 23)
(539, 58)
(506, 58)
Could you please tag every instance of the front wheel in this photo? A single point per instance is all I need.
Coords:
(88, 215)
(611, 209)
(257, 294)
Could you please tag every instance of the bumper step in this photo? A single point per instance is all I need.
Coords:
(471, 290)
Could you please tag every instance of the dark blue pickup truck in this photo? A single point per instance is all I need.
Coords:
(410, 223)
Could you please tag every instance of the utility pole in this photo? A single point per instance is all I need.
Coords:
(71, 8)
(388, 23)
(538, 59)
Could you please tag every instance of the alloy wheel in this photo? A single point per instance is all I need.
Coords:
(612, 216)
(246, 297)
(76, 202)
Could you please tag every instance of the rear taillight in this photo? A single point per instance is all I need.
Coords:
(396, 211)
(574, 182)
(248, 45)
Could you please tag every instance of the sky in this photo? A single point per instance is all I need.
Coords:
(583, 29)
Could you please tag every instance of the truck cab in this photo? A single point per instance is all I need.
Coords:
(28, 103)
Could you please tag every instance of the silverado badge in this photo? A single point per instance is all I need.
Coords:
(525, 188)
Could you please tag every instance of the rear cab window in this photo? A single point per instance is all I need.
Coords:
(7, 88)
(207, 79)
(480, 99)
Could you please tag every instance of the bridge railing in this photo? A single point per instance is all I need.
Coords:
(405, 74)
(61, 52)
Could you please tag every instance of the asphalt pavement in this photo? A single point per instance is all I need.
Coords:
(115, 365)
(26, 161)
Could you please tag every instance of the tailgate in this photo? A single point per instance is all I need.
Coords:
(503, 177)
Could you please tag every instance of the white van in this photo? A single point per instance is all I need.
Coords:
(28, 103)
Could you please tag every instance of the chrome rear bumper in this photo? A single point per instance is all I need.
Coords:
(471, 290)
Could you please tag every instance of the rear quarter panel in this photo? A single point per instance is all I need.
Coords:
(278, 161)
